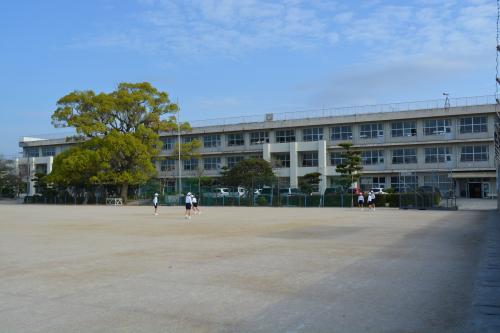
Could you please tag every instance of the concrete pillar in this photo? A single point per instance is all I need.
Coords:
(266, 152)
(31, 173)
(322, 162)
(49, 164)
(294, 165)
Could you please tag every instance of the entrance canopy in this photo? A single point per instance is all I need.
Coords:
(473, 174)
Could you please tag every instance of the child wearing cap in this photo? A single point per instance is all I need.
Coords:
(155, 203)
(189, 201)
(195, 205)
(361, 200)
(371, 201)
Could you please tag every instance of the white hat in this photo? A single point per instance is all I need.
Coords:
(189, 193)
(156, 194)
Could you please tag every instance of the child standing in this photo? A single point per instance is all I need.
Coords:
(155, 203)
(195, 205)
(371, 200)
(187, 215)
(361, 200)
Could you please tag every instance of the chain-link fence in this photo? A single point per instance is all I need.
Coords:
(258, 196)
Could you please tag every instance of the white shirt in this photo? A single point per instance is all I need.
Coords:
(188, 199)
(361, 197)
(193, 199)
(155, 200)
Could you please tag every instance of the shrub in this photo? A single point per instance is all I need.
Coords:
(262, 201)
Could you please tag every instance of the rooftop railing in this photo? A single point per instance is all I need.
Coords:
(349, 110)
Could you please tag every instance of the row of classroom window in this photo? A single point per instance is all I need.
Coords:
(341, 132)
(479, 153)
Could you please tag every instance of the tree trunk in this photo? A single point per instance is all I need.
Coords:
(124, 192)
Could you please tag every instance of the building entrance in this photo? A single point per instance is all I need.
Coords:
(474, 190)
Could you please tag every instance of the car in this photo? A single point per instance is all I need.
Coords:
(267, 190)
(221, 192)
(378, 190)
(240, 192)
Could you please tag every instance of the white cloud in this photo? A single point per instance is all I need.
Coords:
(224, 27)
(411, 49)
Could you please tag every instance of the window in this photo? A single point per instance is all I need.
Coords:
(167, 164)
(372, 157)
(210, 141)
(259, 137)
(31, 152)
(233, 160)
(191, 164)
(235, 139)
(336, 158)
(474, 154)
(312, 134)
(404, 183)
(170, 186)
(473, 124)
(189, 139)
(281, 160)
(168, 143)
(437, 154)
(403, 128)
(341, 133)
(440, 181)
(310, 159)
(370, 131)
(378, 182)
(368, 183)
(285, 135)
(211, 163)
(48, 151)
(404, 156)
(437, 126)
(41, 168)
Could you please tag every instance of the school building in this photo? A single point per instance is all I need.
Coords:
(448, 145)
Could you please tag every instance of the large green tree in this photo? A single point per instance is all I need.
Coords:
(120, 131)
(249, 173)
(10, 183)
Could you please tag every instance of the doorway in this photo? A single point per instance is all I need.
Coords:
(474, 190)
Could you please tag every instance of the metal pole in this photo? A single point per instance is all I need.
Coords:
(352, 192)
(179, 149)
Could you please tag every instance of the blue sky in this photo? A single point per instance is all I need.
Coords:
(240, 57)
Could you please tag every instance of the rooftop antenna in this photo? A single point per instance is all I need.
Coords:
(447, 100)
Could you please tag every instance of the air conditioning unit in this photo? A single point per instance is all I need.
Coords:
(269, 117)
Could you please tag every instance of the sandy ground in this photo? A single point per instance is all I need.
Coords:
(122, 269)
